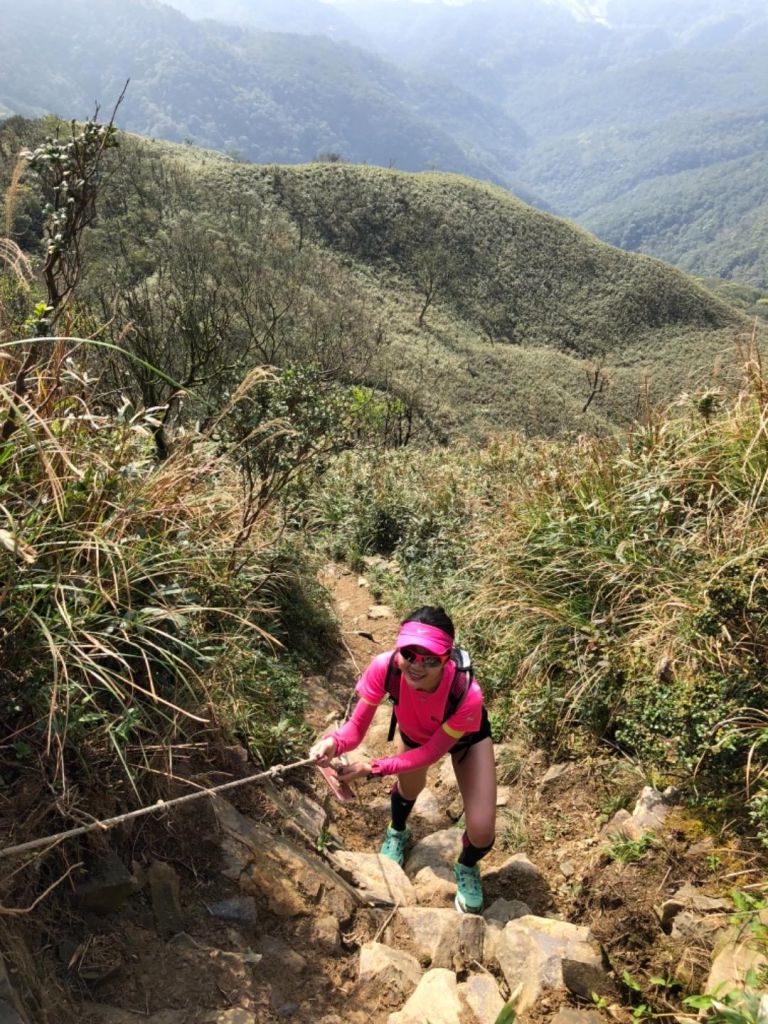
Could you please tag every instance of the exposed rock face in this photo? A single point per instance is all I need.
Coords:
(289, 878)
(531, 952)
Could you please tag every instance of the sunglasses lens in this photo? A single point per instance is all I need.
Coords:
(427, 660)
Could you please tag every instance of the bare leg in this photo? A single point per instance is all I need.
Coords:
(409, 784)
(475, 771)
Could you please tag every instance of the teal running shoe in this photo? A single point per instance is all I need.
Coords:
(469, 891)
(394, 844)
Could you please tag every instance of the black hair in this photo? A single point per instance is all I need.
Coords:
(432, 615)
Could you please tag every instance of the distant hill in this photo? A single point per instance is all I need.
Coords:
(644, 123)
(305, 17)
(265, 96)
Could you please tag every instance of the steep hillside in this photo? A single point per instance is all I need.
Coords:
(494, 314)
(484, 312)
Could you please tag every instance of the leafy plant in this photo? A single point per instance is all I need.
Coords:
(629, 851)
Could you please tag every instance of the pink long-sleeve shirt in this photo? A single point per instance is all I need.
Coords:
(419, 715)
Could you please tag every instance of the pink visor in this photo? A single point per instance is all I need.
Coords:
(419, 634)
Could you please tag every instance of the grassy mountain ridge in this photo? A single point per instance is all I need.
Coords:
(491, 311)
(488, 313)
(490, 258)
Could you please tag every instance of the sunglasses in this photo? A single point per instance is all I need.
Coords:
(427, 660)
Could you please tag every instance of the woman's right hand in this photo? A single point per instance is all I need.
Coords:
(323, 751)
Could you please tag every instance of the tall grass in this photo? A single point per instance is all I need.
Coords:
(127, 623)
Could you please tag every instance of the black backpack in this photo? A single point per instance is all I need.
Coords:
(462, 680)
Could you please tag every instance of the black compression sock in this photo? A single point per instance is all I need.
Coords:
(470, 854)
(401, 808)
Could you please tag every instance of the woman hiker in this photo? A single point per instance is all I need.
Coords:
(439, 710)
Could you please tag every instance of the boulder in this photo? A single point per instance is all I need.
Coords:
(689, 898)
(166, 902)
(502, 911)
(531, 951)
(737, 954)
(429, 809)
(520, 880)
(379, 880)
(482, 997)
(447, 777)
(391, 973)
(326, 934)
(443, 937)
(436, 1000)
(438, 850)
(106, 887)
(434, 888)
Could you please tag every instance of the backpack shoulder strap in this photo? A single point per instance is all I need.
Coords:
(462, 680)
(392, 690)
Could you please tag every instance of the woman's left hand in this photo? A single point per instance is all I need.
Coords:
(356, 770)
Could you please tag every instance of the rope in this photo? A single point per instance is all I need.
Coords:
(161, 805)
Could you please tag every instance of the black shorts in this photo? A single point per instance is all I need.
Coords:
(469, 739)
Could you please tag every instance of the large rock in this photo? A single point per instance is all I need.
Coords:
(443, 937)
(648, 815)
(429, 809)
(482, 997)
(497, 916)
(518, 879)
(531, 951)
(737, 954)
(434, 888)
(291, 880)
(390, 973)
(447, 777)
(378, 879)
(438, 850)
(689, 898)
(436, 1000)
(166, 901)
(107, 885)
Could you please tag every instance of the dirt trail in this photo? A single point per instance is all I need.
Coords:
(257, 933)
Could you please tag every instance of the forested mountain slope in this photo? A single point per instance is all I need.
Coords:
(266, 96)
(620, 101)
